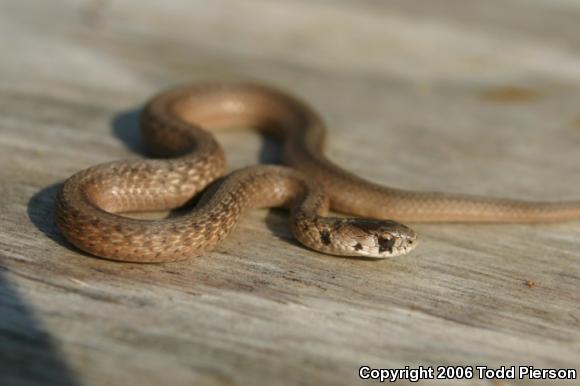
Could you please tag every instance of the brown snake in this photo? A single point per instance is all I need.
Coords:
(172, 123)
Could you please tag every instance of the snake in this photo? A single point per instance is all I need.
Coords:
(188, 162)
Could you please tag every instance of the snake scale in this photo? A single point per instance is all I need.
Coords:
(188, 159)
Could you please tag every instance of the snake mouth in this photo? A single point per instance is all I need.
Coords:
(407, 247)
(402, 245)
(385, 246)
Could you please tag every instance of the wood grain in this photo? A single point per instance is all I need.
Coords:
(478, 97)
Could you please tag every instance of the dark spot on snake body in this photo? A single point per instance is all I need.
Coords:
(386, 244)
(325, 237)
(509, 94)
(576, 123)
(358, 247)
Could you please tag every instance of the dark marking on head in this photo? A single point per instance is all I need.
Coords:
(386, 244)
(374, 226)
(325, 237)
(358, 247)
(367, 226)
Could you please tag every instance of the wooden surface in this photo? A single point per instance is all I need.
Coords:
(479, 97)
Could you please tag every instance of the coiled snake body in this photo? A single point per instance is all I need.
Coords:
(172, 126)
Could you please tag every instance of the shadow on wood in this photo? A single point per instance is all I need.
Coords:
(27, 350)
(125, 126)
(40, 210)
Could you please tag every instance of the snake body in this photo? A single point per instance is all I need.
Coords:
(174, 125)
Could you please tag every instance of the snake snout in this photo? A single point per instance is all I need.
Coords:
(410, 240)
(395, 239)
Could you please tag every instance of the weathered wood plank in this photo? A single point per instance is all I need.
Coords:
(445, 95)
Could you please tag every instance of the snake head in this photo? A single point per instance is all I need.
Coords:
(372, 238)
